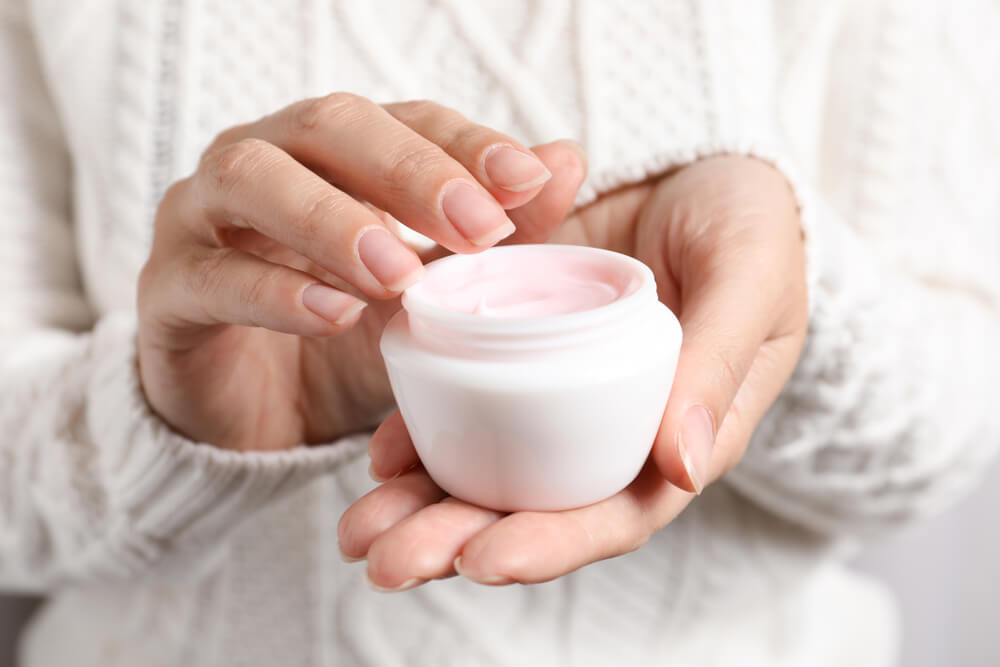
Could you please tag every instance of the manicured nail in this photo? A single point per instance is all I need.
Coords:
(395, 266)
(405, 586)
(694, 445)
(514, 170)
(487, 579)
(330, 304)
(475, 214)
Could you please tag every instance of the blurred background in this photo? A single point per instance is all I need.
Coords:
(945, 575)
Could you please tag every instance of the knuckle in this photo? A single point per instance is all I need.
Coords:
(228, 165)
(459, 135)
(420, 107)
(405, 167)
(416, 109)
(730, 369)
(173, 193)
(170, 204)
(444, 126)
(316, 222)
(254, 294)
(335, 107)
(205, 275)
(146, 283)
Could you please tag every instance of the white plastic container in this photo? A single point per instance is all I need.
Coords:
(541, 402)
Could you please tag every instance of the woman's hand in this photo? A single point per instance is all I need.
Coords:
(723, 238)
(273, 246)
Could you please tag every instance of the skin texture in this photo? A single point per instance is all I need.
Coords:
(724, 241)
(252, 337)
(232, 351)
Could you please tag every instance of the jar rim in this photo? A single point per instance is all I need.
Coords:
(641, 289)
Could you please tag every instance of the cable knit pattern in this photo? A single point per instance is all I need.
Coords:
(113, 489)
(918, 424)
(162, 551)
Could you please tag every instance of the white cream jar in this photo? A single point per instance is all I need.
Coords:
(533, 377)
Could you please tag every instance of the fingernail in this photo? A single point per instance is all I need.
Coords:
(395, 266)
(514, 170)
(382, 480)
(488, 579)
(694, 445)
(373, 475)
(330, 304)
(475, 214)
(350, 559)
(405, 586)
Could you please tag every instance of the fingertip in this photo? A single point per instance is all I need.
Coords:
(391, 450)
(472, 212)
(539, 217)
(582, 160)
(565, 157)
(480, 578)
(694, 481)
(351, 315)
(673, 462)
(325, 329)
(410, 279)
(332, 305)
(515, 170)
(345, 540)
(396, 588)
(349, 559)
(374, 475)
(491, 238)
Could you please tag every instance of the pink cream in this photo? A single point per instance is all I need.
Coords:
(526, 285)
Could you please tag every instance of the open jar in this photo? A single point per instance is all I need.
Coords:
(533, 377)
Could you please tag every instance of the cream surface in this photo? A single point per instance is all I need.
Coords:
(526, 284)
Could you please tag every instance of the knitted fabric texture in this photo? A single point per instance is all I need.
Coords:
(158, 550)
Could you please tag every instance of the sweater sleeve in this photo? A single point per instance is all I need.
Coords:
(92, 484)
(888, 416)
(881, 120)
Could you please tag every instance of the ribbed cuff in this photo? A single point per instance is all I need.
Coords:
(166, 492)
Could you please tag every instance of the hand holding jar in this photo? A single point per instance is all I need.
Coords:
(284, 233)
(723, 239)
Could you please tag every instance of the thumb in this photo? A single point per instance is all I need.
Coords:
(724, 325)
(537, 219)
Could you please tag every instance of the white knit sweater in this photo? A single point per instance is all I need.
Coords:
(160, 551)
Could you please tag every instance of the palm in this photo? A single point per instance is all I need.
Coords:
(444, 528)
(314, 390)
(722, 238)
(253, 388)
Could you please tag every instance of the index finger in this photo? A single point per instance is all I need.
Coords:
(361, 148)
